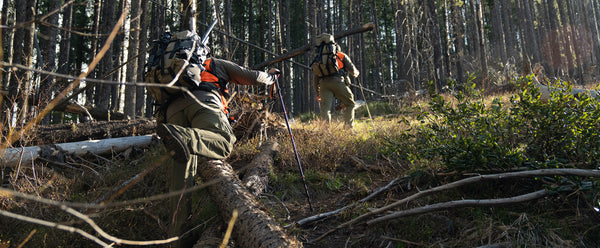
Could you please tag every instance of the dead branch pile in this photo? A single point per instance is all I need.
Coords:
(251, 115)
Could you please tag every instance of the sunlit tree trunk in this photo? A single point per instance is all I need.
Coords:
(17, 57)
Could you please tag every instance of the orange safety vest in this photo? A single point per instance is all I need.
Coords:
(339, 58)
(208, 77)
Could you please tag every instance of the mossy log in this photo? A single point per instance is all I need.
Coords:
(254, 228)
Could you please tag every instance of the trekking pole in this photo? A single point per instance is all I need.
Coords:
(287, 122)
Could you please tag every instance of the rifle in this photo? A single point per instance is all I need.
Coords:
(204, 40)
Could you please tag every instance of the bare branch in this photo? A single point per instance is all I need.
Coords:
(462, 204)
(323, 215)
(102, 233)
(529, 173)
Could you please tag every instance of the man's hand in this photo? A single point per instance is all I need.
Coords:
(275, 72)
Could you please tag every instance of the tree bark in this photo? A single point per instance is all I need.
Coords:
(132, 66)
(61, 133)
(140, 95)
(14, 156)
(436, 41)
(102, 97)
(255, 227)
(256, 174)
(97, 113)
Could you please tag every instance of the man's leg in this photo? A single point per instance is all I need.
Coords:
(345, 95)
(326, 102)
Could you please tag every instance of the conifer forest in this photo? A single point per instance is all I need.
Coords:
(74, 71)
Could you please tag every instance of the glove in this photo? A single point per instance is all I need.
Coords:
(275, 72)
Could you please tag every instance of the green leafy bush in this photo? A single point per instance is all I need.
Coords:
(468, 132)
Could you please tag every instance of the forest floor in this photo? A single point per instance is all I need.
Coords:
(341, 168)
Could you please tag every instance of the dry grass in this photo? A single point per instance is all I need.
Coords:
(341, 167)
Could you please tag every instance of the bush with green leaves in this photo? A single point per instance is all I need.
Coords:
(469, 132)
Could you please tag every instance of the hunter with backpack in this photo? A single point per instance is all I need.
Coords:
(193, 124)
(331, 68)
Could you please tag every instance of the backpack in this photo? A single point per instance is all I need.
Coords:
(167, 57)
(325, 61)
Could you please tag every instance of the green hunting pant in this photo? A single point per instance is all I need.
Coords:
(335, 86)
(208, 134)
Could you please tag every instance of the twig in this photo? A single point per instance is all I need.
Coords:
(461, 204)
(323, 215)
(229, 229)
(53, 225)
(280, 202)
(27, 238)
(11, 193)
(403, 241)
(105, 235)
(118, 190)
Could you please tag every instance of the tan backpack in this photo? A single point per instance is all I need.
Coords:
(168, 64)
(325, 61)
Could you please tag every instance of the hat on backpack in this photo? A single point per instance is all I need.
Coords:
(324, 38)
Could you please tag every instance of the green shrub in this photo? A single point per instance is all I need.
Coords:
(468, 132)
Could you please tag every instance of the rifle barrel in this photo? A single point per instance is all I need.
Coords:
(206, 35)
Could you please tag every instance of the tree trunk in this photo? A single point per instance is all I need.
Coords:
(132, 66)
(256, 174)
(104, 91)
(507, 24)
(254, 227)
(49, 57)
(96, 113)
(498, 41)
(61, 133)
(434, 32)
(12, 157)
(140, 95)
(459, 41)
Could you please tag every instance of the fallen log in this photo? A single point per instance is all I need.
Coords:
(301, 50)
(13, 156)
(254, 228)
(62, 133)
(97, 114)
(256, 174)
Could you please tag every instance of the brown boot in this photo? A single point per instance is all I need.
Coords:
(174, 143)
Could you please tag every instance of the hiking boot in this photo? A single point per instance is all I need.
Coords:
(174, 143)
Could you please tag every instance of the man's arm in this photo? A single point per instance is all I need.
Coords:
(349, 66)
(234, 73)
